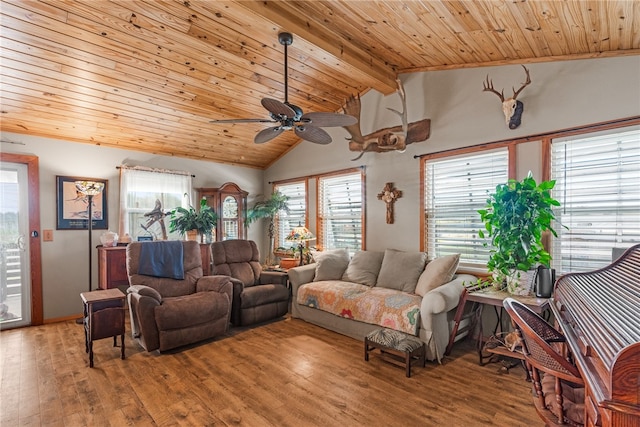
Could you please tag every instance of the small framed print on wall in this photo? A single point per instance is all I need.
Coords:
(73, 206)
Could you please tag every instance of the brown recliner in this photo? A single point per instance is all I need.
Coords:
(257, 295)
(167, 313)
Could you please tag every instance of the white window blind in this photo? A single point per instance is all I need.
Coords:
(598, 187)
(297, 193)
(455, 189)
(340, 211)
(139, 191)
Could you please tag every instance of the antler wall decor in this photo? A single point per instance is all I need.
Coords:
(389, 195)
(511, 107)
(388, 139)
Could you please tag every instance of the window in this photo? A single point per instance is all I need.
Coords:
(455, 189)
(341, 211)
(297, 193)
(147, 194)
(598, 187)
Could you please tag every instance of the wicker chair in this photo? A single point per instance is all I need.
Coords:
(550, 369)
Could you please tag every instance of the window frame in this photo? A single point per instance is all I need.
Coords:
(125, 227)
(279, 232)
(462, 154)
(604, 131)
(545, 140)
(320, 242)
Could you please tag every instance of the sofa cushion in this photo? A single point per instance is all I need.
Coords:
(330, 265)
(437, 273)
(374, 305)
(364, 268)
(401, 270)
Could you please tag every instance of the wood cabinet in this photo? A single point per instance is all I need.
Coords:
(112, 265)
(230, 203)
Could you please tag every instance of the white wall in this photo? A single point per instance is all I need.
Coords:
(562, 95)
(65, 259)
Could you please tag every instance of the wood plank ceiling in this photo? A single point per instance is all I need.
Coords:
(149, 75)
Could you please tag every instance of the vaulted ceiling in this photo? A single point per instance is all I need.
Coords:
(150, 75)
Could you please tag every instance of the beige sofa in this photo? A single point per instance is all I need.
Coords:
(393, 289)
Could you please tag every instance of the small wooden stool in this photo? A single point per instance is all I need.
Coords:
(396, 347)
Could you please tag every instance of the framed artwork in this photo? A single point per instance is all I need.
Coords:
(73, 206)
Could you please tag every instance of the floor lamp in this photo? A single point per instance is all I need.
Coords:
(89, 189)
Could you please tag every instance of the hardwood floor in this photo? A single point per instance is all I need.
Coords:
(285, 373)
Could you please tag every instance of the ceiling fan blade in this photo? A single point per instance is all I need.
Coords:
(313, 134)
(243, 121)
(278, 108)
(329, 119)
(267, 134)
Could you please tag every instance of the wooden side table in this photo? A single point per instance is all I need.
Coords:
(495, 298)
(103, 318)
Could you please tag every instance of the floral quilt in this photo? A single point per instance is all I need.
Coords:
(379, 306)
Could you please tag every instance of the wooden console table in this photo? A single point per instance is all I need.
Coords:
(112, 265)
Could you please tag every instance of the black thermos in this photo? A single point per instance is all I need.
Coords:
(546, 279)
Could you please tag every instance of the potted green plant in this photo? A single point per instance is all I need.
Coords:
(515, 218)
(186, 220)
(269, 208)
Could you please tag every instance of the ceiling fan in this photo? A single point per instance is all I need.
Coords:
(306, 126)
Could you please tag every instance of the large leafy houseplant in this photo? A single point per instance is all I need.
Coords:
(269, 208)
(515, 218)
(187, 219)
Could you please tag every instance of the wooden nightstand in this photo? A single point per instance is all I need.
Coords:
(103, 318)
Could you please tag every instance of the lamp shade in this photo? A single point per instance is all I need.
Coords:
(300, 234)
(89, 188)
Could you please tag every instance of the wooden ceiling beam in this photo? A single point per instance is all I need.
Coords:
(380, 75)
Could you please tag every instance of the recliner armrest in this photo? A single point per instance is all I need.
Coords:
(212, 283)
(145, 291)
(273, 277)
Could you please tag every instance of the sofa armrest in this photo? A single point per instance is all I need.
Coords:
(145, 291)
(301, 275)
(445, 297)
(436, 305)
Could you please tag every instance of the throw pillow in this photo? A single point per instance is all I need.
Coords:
(330, 265)
(437, 273)
(364, 268)
(400, 270)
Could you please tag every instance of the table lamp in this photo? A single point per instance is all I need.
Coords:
(300, 235)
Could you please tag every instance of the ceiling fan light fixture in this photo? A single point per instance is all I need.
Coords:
(306, 126)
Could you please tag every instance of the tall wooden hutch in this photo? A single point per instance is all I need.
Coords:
(230, 203)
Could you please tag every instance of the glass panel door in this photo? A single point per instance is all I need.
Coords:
(230, 218)
(15, 279)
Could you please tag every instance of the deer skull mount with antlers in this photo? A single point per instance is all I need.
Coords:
(394, 138)
(511, 107)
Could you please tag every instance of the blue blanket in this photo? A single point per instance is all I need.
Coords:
(161, 259)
